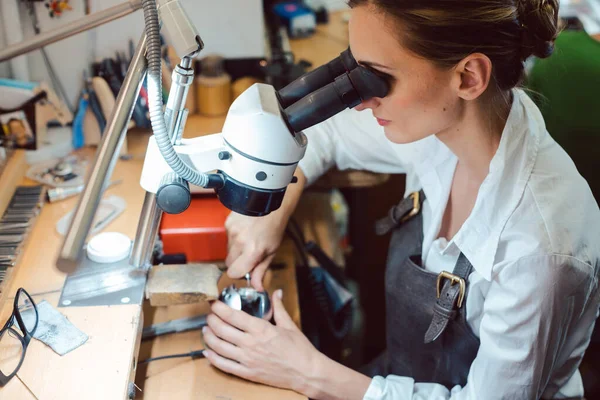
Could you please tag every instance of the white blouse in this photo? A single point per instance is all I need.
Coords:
(533, 238)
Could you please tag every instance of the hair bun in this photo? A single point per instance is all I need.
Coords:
(539, 21)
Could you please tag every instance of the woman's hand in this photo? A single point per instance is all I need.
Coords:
(254, 349)
(252, 243)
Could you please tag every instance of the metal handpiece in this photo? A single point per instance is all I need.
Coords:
(248, 300)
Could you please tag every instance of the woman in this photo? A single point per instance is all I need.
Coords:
(500, 208)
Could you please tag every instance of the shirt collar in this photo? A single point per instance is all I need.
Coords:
(501, 190)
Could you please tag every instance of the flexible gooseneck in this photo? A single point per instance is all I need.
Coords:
(155, 106)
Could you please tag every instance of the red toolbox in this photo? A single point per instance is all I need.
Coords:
(198, 232)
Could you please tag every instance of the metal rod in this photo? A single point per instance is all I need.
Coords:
(175, 112)
(106, 157)
(151, 215)
(73, 28)
(145, 237)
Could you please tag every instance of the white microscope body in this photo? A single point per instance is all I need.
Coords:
(255, 148)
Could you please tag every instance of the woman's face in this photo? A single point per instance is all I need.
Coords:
(421, 101)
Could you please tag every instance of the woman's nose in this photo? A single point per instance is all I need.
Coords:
(371, 103)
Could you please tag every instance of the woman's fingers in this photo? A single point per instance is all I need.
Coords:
(238, 319)
(227, 365)
(221, 346)
(244, 263)
(225, 331)
(282, 318)
(233, 252)
(258, 273)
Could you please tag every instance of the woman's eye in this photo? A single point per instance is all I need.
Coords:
(388, 78)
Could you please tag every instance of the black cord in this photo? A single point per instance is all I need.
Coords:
(298, 229)
(338, 327)
(194, 354)
(299, 246)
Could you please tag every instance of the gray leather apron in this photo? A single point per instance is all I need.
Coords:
(428, 338)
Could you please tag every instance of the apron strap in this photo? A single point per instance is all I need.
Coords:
(400, 213)
(450, 297)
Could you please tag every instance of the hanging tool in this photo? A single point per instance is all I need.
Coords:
(53, 77)
(78, 137)
(57, 7)
(88, 99)
(94, 103)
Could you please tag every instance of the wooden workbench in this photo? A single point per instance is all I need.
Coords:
(101, 368)
(105, 366)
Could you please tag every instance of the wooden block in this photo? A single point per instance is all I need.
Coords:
(182, 284)
(187, 379)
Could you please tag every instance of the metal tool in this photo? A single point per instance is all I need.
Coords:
(5, 226)
(22, 205)
(174, 326)
(20, 214)
(8, 251)
(11, 238)
(248, 300)
(61, 193)
(15, 231)
(12, 225)
(14, 219)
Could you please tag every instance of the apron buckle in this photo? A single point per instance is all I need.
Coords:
(415, 210)
(453, 280)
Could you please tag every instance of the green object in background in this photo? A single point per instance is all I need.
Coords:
(567, 86)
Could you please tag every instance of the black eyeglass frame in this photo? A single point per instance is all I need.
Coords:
(24, 338)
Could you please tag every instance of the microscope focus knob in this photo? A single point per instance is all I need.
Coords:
(173, 195)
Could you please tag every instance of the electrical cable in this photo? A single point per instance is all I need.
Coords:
(193, 354)
(338, 326)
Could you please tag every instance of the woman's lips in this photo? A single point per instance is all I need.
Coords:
(382, 122)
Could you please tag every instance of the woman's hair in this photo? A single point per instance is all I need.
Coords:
(446, 31)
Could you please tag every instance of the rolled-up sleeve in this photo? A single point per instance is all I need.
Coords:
(349, 140)
(537, 309)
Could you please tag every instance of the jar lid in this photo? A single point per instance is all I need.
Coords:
(109, 247)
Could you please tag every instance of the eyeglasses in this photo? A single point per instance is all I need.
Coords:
(14, 338)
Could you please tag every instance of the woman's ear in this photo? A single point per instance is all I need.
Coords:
(473, 76)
